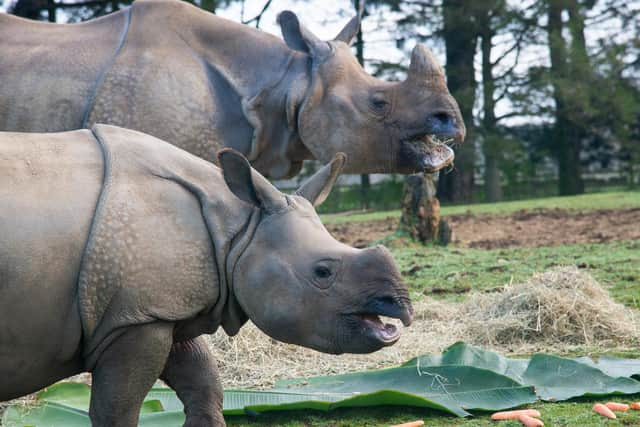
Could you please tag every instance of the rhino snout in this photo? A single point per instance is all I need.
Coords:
(397, 308)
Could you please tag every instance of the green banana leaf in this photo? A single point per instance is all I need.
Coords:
(458, 388)
(50, 414)
(46, 414)
(614, 366)
(464, 378)
(556, 378)
(464, 354)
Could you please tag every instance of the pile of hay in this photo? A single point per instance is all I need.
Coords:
(557, 310)
(563, 306)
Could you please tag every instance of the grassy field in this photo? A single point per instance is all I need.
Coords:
(451, 272)
(614, 200)
(565, 414)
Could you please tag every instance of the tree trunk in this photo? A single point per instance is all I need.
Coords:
(51, 11)
(209, 5)
(490, 143)
(421, 211)
(492, 182)
(365, 184)
(460, 38)
(566, 135)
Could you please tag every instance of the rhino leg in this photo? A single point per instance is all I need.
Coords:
(192, 372)
(126, 371)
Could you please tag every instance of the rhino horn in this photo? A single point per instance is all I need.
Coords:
(247, 184)
(317, 188)
(298, 37)
(349, 32)
(424, 65)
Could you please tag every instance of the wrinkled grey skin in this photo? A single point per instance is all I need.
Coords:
(201, 82)
(119, 251)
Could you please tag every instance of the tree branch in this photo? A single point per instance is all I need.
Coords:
(509, 114)
(80, 4)
(258, 17)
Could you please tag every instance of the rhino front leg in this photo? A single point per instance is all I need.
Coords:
(192, 372)
(126, 371)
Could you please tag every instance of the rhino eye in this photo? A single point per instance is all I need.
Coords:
(322, 272)
(379, 103)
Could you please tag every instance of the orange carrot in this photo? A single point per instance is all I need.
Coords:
(604, 411)
(614, 406)
(635, 405)
(417, 423)
(530, 421)
(513, 415)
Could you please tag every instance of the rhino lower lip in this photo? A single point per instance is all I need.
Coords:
(385, 332)
(438, 157)
(428, 154)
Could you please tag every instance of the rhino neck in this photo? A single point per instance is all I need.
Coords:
(276, 148)
(232, 314)
(260, 72)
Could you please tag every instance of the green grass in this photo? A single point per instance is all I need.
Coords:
(565, 414)
(614, 200)
(451, 270)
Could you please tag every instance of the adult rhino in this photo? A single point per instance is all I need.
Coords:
(171, 70)
(119, 251)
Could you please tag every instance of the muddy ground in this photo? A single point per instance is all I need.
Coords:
(531, 228)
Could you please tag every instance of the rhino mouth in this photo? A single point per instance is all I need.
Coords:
(370, 323)
(424, 153)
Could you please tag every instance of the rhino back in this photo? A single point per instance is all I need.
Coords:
(159, 84)
(50, 187)
(183, 75)
(151, 254)
(50, 72)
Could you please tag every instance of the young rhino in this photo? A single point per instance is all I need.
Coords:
(119, 251)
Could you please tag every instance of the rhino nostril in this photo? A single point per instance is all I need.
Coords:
(386, 300)
(443, 118)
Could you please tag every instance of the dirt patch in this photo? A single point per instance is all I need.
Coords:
(530, 228)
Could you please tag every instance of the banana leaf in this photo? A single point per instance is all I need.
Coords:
(614, 366)
(461, 380)
(556, 378)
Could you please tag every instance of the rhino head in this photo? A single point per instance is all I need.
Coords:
(382, 126)
(301, 286)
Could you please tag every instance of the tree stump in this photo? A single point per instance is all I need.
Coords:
(421, 211)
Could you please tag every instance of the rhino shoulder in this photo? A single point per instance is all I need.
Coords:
(150, 255)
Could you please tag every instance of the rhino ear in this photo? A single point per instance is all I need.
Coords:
(300, 38)
(349, 32)
(317, 188)
(247, 184)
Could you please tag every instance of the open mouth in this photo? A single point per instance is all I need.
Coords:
(373, 326)
(377, 328)
(425, 153)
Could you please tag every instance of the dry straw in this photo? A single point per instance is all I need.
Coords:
(561, 307)
(559, 310)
